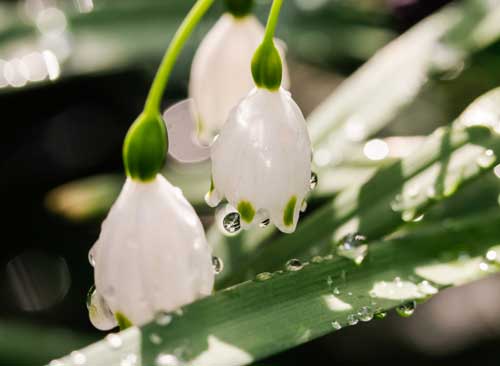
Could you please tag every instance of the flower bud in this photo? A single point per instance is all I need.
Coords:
(266, 67)
(239, 8)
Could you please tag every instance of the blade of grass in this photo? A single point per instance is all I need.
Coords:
(281, 310)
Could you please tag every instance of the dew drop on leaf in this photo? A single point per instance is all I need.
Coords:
(163, 318)
(407, 309)
(155, 338)
(353, 247)
(264, 276)
(336, 325)
(365, 314)
(352, 319)
(294, 265)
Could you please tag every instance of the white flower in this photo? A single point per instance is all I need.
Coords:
(152, 254)
(261, 161)
(221, 74)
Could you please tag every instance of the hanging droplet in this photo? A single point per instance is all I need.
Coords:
(352, 247)
(426, 288)
(407, 309)
(314, 180)
(294, 265)
(303, 207)
(163, 318)
(114, 340)
(352, 319)
(91, 257)
(165, 359)
(336, 325)
(231, 222)
(491, 256)
(380, 314)
(365, 314)
(265, 223)
(264, 276)
(217, 264)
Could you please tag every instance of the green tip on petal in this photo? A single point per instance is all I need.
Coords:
(123, 321)
(246, 210)
(145, 147)
(289, 211)
(239, 8)
(267, 69)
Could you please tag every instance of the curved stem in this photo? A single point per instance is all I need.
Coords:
(272, 21)
(153, 102)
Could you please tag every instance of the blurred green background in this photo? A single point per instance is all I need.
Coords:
(73, 76)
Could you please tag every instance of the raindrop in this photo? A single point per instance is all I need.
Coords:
(336, 291)
(265, 223)
(352, 319)
(78, 358)
(294, 265)
(217, 264)
(164, 359)
(483, 266)
(155, 338)
(365, 314)
(303, 208)
(163, 318)
(491, 256)
(129, 360)
(352, 247)
(486, 159)
(231, 222)
(336, 325)
(314, 180)
(380, 315)
(264, 276)
(407, 309)
(114, 340)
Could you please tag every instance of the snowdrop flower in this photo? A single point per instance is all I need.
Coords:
(220, 73)
(261, 160)
(152, 254)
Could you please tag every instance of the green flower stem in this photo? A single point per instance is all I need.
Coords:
(272, 21)
(155, 95)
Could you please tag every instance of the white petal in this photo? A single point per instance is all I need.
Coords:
(152, 254)
(183, 143)
(263, 156)
(221, 74)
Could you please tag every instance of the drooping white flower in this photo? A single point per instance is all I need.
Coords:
(220, 73)
(261, 160)
(152, 254)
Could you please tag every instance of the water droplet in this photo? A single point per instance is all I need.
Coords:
(491, 256)
(155, 338)
(380, 314)
(163, 318)
(352, 319)
(409, 215)
(486, 159)
(56, 363)
(91, 258)
(231, 222)
(483, 266)
(294, 265)
(329, 281)
(336, 325)
(336, 291)
(78, 358)
(164, 359)
(352, 247)
(114, 340)
(217, 264)
(418, 218)
(365, 314)
(265, 223)
(407, 309)
(314, 180)
(264, 276)
(179, 312)
(317, 259)
(303, 207)
(129, 360)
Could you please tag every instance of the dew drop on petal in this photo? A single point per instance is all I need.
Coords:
(336, 325)
(129, 360)
(231, 222)
(56, 363)
(353, 247)
(486, 159)
(217, 264)
(91, 257)
(165, 359)
(314, 180)
(491, 256)
(303, 207)
(265, 223)
(78, 358)
(294, 265)
(407, 309)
